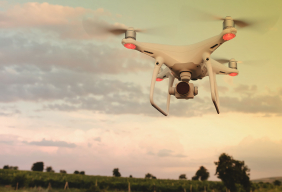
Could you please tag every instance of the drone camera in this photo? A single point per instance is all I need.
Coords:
(184, 90)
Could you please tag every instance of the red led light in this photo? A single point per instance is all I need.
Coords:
(228, 36)
(159, 79)
(130, 46)
(233, 74)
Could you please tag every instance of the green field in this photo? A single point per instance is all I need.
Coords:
(39, 181)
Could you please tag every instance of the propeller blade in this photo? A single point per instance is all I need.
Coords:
(245, 62)
(94, 27)
(222, 60)
(242, 23)
(260, 24)
(193, 14)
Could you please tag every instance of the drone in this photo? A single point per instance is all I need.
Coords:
(185, 63)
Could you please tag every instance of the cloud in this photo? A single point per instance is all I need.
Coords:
(246, 89)
(8, 139)
(76, 56)
(166, 153)
(9, 111)
(264, 103)
(62, 20)
(50, 143)
(97, 139)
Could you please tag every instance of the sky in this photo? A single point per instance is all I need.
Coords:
(79, 101)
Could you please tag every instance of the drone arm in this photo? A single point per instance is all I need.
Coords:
(213, 85)
(159, 63)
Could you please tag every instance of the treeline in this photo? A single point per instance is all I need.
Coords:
(39, 166)
(33, 179)
(233, 173)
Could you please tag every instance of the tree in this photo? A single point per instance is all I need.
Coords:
(130, 176)
(6, 167)
(82, 173)
(63, 171)
(232, 172)
(38, 166)
(148, 176)
(195, 178)
(76, 172)
(49, 169)
(277, 182)
(116, 172)
(182, 176)
(203, 173)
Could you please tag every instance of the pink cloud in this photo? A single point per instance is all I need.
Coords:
(63, 20)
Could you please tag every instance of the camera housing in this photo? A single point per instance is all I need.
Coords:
(184, 90)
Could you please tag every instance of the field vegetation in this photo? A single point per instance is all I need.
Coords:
(29, 181)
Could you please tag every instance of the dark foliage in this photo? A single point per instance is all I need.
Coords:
(130, 176)
(148, 176)
(182, 176)
(50, 169)
(76, 172)
(82, 173)
(116, 173)
(20, 180)
(63, 171)
(277, 182)
(203, 174)
(6, 167)
(38, 166)
(233, 172)
(195, 178)
(10, 167)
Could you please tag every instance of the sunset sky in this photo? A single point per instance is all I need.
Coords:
(81, 102)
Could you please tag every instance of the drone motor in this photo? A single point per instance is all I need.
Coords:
(130, 33)
(232, 64)
(228, 23)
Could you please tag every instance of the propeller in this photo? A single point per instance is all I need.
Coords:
(260, 24)
(224, 60)
(248, 62)
(95, 27)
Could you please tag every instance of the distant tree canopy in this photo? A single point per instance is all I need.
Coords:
(38, 166)
(116, 172)
(76, 172)
(182, 176)
(49, 169)
(150, 176)
(82, 173)
(277, 182)
(63, 171)
(6, 167)
(195, 178)
(130, 176)
(10, 167)
(232, 172)
(202, 174)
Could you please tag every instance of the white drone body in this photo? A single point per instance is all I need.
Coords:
(185, 63)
